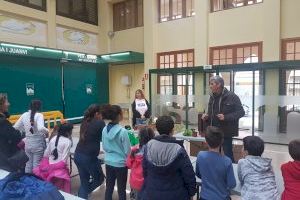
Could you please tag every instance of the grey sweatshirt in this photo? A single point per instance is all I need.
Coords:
(257, 179)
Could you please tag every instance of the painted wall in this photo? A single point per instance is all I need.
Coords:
(175, 35)
(290, 18)
(120, 93)
(234, 26)
(52, 21)
(128, 40)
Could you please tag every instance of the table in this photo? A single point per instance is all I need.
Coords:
(189, 138)
(67, 196)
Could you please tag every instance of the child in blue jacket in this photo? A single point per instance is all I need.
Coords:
(214, 169)
(116, 145)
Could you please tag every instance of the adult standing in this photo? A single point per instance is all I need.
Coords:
(140, 108)
(9, 138)
(224, 111)
(87, 151)
(32, 122)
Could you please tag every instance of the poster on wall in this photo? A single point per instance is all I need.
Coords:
(89, 89)
(17, 29)
(75, 40)
(29, 89)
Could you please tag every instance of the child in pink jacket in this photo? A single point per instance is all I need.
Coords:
(53, 167)
(135, 159)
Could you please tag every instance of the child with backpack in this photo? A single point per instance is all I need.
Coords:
(53, 167)
(135, 159)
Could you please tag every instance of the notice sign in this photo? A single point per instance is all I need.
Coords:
(89, 89)
(29, 89)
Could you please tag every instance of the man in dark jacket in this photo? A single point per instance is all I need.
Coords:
(9, 137)
(224, 111)
(168, 172)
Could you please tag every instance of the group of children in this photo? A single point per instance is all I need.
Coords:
(160, 166)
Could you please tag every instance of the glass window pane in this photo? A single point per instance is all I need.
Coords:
(167, 59)
(216, 62)
(140, 15)
(254, 50)
(216, 54)
(222, 62)
(184, 64)
(240, 52)
(36, 2)
(172, 65)
(177, 9)
(190, 56)
(290, 47)
(179, 57)
(229, 61)
(179, 80)
(184, 57)
(171, 58)
(229, 53)
(190, 8)
(247, 52)
(161, 59)
(179, 64)
(190, 64)
(222, 54)
(297, 47)
(290, 56)
(297, 56)
(239, 60)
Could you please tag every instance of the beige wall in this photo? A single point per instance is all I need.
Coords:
(290, 18)
(175, 35)
(234, 26)
(128, 40)
(118, 92)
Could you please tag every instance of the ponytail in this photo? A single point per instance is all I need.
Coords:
(64, 130)
(35, 106)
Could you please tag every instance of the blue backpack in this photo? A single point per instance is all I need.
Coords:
(22, 186)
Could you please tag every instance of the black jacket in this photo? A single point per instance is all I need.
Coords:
(136, 114)
(91, 144)
(228, 104)
(168, 172)
(9, 138)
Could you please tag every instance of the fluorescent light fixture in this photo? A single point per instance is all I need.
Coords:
(17, 46)
(74, 53)
(49, 50)
(115, 54)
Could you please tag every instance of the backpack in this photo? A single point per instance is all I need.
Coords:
(22, 186)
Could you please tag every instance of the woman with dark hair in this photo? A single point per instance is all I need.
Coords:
(9, 138)
(87, 150)
(140, 109)
(32, 122)
(54, 167)
(116, 145)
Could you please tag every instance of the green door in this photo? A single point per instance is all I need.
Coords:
(24, 79)
(81, 87)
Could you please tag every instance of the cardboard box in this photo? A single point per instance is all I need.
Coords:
(196, 147)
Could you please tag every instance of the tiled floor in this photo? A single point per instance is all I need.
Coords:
(278, 153)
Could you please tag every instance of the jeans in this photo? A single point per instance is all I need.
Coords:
(113, 173)
(140, 121)
(34, 148)
(90, 173)
(227, 148)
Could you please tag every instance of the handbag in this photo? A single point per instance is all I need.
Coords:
(18, 160)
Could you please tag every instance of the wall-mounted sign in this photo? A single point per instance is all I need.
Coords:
(12, 50)
(89, 89)
(29, 89)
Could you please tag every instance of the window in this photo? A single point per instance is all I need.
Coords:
(128, 14)
(217, 5)
(289, 80)
(81, 10)
(176, 84)
(236, 54)
(37, 4)
(175, 9)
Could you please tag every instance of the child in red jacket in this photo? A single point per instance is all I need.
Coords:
(291, 173)
(135, 159)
